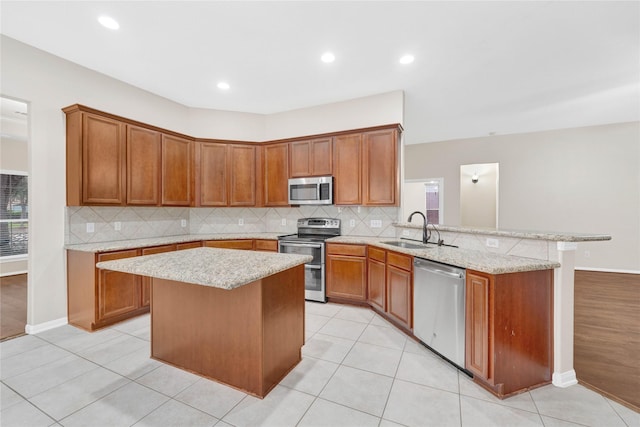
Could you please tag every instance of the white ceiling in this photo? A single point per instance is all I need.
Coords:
(480, 67)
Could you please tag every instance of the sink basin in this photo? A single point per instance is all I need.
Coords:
(406, 245)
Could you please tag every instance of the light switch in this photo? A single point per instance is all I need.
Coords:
(91, 227)
(376, 223)
(117, 226)
(493, 243)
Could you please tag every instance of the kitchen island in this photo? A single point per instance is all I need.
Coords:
(233, 316)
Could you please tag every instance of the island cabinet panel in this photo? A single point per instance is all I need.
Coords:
(146, 281)
(377, 278)
(103, 160)
(311, 157)
(213, 174)
(276, 174)
(380, 183)
(242, 178)
(400, 288)
(144, 153)
(346, 272)
(509, 336)
(98, 298)
(177, 173)
(245, 244)
(188, 245)
(347, 169)
(249, 337)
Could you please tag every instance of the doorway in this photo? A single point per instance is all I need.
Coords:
(14, 217)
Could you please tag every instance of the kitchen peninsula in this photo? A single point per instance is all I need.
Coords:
(233, 316)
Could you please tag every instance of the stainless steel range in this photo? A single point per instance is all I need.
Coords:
(310, 240)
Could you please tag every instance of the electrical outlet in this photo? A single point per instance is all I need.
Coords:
(283, 222)
(91, 227)
(358, 209)
(376, 223)
(493, 243)
(240, 221)
(183, 223)
(406, 233)
(117, 226)
(352, 223)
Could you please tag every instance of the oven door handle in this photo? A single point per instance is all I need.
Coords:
(302, 245)
(313, 266)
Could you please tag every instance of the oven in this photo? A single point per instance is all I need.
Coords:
(310, 240)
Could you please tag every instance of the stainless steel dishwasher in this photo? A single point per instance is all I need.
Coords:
(438, 308)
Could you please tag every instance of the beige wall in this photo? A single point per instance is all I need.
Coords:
(14, 155)
(584, 180)
(478, 201)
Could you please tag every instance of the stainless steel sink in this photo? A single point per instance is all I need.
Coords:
(406, 245)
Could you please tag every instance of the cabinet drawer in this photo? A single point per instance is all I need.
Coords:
(158, 249)
(109, 256)
(189, 245)
(400, 260)
(344, 249)
(266, 245)
(230, 244)
(377, 254)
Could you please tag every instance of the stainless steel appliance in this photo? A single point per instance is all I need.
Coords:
(310, 240)
(439, 308)
(316, 190)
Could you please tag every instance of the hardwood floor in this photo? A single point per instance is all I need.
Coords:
(13, 298)
(607, 334)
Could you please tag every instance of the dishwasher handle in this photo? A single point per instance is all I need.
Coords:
(437, 268)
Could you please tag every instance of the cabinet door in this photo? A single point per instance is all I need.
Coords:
(300, 159)
(478, 290)
(213, 174)
(177, 177)
(321, 157)
(380, 168)
(347, 277)
(118, 293)
(376, 287)
(242, 175)
(189, 245)
(399, 295)
(143, 166)
(266, 245)
(347, 163)
(103, 161)
(146, 281)
(276, 175)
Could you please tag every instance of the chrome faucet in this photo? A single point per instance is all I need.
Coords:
(425, 232)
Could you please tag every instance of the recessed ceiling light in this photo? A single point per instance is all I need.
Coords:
(328, 57)
(109, 22)
(223, 86)
(406, 59)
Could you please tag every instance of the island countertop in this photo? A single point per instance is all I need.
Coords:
(219, 268)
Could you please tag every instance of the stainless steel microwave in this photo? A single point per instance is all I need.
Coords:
(316, 190)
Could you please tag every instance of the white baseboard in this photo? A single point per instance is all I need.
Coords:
(564, 379)
(41, 327)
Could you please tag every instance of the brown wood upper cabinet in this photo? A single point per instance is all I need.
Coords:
(311, 158)
(276, 174)
(365, 168)
(226, 174)
(144, 153)
(177, 175)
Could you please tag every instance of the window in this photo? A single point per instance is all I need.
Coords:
(432, 197)
(14, 214)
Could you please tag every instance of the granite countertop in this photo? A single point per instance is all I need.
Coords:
(485, 262)
(219, 268)
(522, 234)
(117, 245)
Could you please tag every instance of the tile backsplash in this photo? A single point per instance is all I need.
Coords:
(144, 222)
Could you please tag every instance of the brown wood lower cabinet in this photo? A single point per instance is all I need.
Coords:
(346, 274)
(146, 281)
(377, 278)
(98, 298)
(230, 244)
(265, 245)
(509, 330)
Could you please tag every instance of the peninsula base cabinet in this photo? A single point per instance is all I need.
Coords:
(509, 330)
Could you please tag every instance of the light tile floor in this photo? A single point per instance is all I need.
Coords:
(357, 370)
